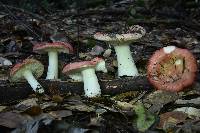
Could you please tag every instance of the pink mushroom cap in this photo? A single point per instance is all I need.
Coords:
(77, 66)
(166, 72)
(57, 46)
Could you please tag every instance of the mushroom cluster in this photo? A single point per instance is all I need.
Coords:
(30, 69)
(170, 68)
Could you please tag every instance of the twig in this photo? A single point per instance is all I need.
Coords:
(24, 11)
(12, 15)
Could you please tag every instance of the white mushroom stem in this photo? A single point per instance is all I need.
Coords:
(91, 85)
(52, 72)
(101, 66)
(32, 81)
(126, 65)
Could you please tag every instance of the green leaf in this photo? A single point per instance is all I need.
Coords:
(144, 118)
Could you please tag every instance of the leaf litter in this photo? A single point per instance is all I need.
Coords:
(132, 112)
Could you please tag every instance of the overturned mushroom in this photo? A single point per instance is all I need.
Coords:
(121, 42)
(85, 71)
(28, 69)
(172, 69)
(53, 49)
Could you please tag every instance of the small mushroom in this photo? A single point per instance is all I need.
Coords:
(28, 69)
(85, 71)
(172, 69)
(53, 49)
(121, 42)
(100, 64)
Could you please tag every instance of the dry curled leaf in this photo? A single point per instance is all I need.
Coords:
(190, 111)
(26, 104)
(178, 117)
(159, 98)
(12, 119)
(60, 113)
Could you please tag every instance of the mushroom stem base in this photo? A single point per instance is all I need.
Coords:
(126, 65)
(91, 85)
(33, 82)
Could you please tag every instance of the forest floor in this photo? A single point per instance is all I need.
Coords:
(127, 105)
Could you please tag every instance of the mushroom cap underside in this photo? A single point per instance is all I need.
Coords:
(35, 66)
(172, 71)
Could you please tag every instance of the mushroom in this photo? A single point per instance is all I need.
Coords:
(100, 64)
(172, 69)
(85, 71)
(121, 42)
(53, 49)
(28, 69)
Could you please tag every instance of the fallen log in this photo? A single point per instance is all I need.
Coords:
(11, 92)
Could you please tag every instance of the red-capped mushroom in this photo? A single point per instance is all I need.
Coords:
(53, 49)
(28, 69)
(172, 69)
(85, 71)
